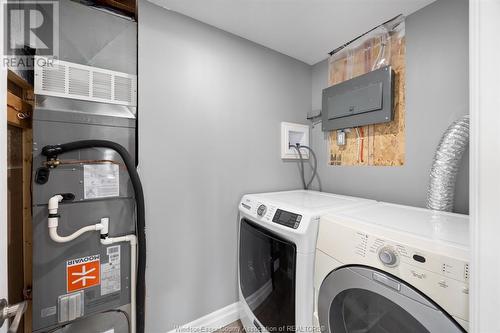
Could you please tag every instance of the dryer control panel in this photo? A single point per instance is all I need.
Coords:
(438, 270)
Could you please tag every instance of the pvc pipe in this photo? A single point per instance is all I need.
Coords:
(53, 223)
(105, 226)
(132, 239)
(133, 292)
(64, 239)
(54, 203)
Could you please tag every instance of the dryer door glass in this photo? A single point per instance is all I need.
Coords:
(267, 276)
(356, 299)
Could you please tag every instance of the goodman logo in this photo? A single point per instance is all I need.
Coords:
(30, 26)
(82, 260)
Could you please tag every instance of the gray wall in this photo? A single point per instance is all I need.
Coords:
(436, 94)
(210, 109)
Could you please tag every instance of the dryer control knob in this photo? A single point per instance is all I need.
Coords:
(388, 256)
(261, 210)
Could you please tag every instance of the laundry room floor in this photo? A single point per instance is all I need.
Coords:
(234, 327)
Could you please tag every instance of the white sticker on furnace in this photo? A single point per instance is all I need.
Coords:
(110, 271)
(47, 312)
(101, 180)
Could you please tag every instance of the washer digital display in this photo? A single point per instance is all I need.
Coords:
(287, 219)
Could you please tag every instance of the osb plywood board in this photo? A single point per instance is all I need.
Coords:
(379, 144)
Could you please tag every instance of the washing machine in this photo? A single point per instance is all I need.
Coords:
(277, 242)
(391, 268)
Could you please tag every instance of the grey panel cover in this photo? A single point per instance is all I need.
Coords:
(363, 100)
(359, 100)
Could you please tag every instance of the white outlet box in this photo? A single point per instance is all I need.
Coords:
(291, 134)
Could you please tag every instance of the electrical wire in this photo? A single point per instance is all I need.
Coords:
(124, 313)
(357, 143)
(381, 52)
(362, 133)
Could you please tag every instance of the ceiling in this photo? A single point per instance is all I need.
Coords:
(303, 29)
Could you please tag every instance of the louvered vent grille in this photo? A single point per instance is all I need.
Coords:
(123, 89)
(70, 80)
(101, 87)
(79, 81)
(54, 80)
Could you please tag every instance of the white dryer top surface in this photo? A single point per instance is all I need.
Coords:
(429, 224)
(311, 202)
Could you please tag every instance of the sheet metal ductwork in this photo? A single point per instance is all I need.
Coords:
(455, 140)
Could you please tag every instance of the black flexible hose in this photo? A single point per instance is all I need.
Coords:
(54, 150)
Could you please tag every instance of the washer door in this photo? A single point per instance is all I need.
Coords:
(358, 299)
(267, 265)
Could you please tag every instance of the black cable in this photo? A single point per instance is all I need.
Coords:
(127, 317)
(57, 328)
(301, 165)
(53, 151)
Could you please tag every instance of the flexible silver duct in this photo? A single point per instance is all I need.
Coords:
(441, 192)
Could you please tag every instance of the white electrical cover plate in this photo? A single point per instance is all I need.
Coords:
(292, 133)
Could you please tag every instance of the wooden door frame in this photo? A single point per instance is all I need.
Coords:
(21, 103)
(3, 171)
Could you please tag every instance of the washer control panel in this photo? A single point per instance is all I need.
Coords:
(269, 213)
(261, 210)
(287, 219)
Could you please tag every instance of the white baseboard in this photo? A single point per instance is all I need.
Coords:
(212, 321)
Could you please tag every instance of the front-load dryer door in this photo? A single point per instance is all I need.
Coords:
(358, 299)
